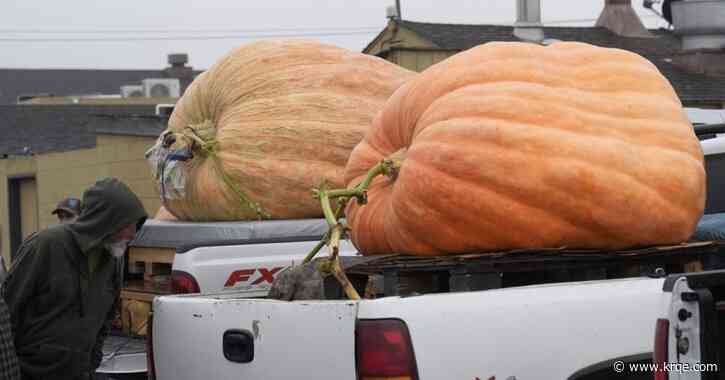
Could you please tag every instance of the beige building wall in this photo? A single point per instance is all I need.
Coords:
(418, 60)
(60, 175)
(394, 36)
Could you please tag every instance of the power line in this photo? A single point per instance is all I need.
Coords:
(182, 38)
(175, 31)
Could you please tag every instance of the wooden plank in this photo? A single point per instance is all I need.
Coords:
(694, 266)
(156, 255)
(138, 296)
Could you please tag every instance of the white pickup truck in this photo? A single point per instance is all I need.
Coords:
(518, 315)
(569, 330)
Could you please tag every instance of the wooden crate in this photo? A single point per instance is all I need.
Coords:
(137, 295)
(134, 314)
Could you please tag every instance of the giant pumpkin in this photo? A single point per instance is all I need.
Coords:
(270, 121)
(513, 145)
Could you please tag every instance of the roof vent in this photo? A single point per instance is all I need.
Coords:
(528, 21)
(620, 18)
(178, 59)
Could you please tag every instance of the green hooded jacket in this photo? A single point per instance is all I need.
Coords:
(63, 286)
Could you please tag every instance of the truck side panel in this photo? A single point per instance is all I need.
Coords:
(532, 332)
(245, 267)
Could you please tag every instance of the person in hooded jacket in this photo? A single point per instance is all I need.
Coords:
(63, 287)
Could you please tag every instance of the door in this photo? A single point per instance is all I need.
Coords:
(22, 210)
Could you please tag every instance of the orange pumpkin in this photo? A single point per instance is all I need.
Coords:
(513, 145)
(272, 120)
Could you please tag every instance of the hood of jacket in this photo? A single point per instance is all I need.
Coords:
(107, 207)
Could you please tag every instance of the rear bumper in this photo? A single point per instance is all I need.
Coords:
(123, 355)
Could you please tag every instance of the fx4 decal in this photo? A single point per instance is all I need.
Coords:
(244, 275)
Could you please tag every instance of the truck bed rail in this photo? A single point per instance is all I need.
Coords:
(401, 274)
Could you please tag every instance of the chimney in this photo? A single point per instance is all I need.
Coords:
(179, 70)
(178, 60)
(528, 21)
(620, 18)
(701, 26)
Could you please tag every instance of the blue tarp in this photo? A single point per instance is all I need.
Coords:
(710, 227)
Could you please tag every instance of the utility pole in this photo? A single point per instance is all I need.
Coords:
(397, 9)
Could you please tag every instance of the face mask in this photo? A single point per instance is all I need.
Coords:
(117, 249)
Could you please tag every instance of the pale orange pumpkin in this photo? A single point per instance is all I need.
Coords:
(275, 119)
(164, 214)
(514, 145)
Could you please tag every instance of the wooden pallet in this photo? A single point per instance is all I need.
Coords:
(138, 295)
(400, 274)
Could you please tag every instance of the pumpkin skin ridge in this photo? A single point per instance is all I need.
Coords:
(526, 92)
(479, 75)
(614, 134)
(492, 188)
(504, 123)
(534, 89)
(588, 225)
(286, 151)
(580, 226)
(630, 120)
(414, 100)
(633, 176)
(556, 128)
(416, 130)
(481, 70)
(345, 90)
(458, 233)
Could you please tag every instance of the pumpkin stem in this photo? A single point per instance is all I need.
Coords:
(388, 168)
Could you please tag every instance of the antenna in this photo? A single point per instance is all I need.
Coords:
(390, 13)
(393, 12)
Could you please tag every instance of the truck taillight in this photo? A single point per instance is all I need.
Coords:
(383, 350)
(662, 332)
(183, 283)
(150, 366)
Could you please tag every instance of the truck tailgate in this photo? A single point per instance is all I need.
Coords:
(188, 335)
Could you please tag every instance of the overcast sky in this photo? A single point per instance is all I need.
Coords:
(115, 33)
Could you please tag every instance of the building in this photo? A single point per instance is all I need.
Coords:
(49, 152)
(64, 129)
(696, 71)
(24, 84)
